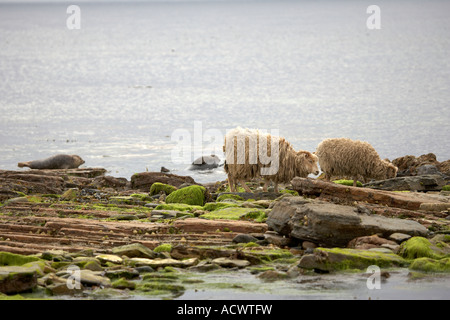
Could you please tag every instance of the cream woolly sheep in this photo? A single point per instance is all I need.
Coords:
(352, 158)
(251, 154)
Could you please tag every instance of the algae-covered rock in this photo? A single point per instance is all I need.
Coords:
(235, 213)
(178, 207)
(194, 195)
(430, 265)
(337, 259)
(211, 206)
(134, 250)
(12, 259)
(14, 279)
(123, 283)
(229, 196)
(157, 187)
(166, 247)
(348, 182)
(419, 247)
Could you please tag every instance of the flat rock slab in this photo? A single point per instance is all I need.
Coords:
(342, 259)
(15, 279)
(204, 225)
(156, 263)
(428, 182)
(331, 224)
(330, 190)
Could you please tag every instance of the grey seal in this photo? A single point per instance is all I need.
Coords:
(59, 161)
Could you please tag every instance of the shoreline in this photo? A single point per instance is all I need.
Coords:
(82, 217)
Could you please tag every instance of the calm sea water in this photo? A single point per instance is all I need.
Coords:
(116, 90)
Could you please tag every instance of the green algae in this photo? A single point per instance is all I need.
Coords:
(429, 265)
(348, 182)
(12, 259)
(212, 206)
(229, 196)
(157, 187)
(236, 213)
(419, 247)
(178, 207)
(350, 260)
(166, 247)
(193, 195)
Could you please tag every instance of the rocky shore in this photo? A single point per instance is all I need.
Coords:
(82, 234)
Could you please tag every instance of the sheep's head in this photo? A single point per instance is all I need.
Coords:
(307, 162)
(391, 170)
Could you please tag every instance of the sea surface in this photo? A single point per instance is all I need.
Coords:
(147, 84)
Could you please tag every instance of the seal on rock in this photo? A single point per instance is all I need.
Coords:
(59, 161)
(205, 163)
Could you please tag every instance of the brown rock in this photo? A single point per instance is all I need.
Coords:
(347, 194)
(144, 180)
(204, 225)
(331, 224)
(369, 242)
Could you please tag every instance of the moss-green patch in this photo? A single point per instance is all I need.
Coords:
(342, 259)
(348, 182)
(293, 192)
(178, 207)
(419, 247)
(142, 197)
(446, 187)
(211, 206)
(236, 213)
(268, 255)
(12, 259)
(430, 265)
(229, 196)
(166, 247)
(194, 195)
(157, 187)
(123, 283)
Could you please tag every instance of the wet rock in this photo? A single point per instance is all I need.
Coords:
(16, 279)
(104, 258)
(420, 247)
(336, 259)
(231, 263)
(244, 238)
(431, 182)
(272, 275)
(204, 225)
(332, 225)
(193, 195)
(205, 163)
(399, 237)
(369, 242)
(156, 263)
(110, 182)
(278, 240)
(431, 265)
(143, 181)
(345, 194)
(408, 165)
(94, 278)
(134, 250)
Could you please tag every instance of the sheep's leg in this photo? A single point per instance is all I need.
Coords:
(326, 177)
(355, 180)
(275, 187)
(266, 185)
(231, 184)
(247, 189)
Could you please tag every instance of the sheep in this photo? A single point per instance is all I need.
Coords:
(352, 158)
(251, 154)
